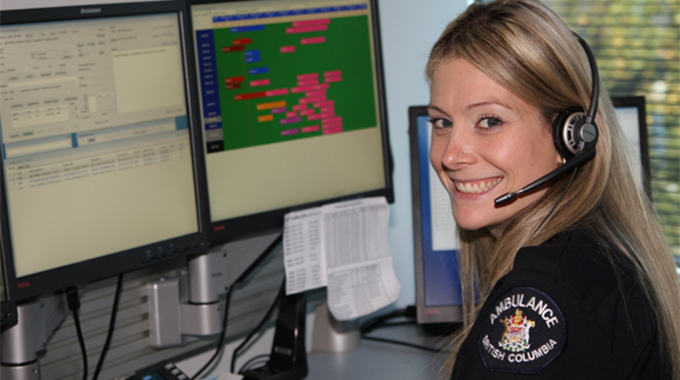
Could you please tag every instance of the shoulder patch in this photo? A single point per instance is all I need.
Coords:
(523, 332)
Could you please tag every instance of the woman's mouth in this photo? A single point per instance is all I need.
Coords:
(476, 186)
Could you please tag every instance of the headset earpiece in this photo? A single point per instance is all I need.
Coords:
(574, 130)
(565, 131)
(572, 133)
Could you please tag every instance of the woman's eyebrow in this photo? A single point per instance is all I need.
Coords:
(471, 107)
(485, 103)
(435, 108)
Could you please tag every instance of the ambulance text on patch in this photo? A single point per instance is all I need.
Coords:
(524, 332)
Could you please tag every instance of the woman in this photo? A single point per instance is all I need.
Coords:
(574, 279)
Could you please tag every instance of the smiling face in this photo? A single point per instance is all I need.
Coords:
(485, 142)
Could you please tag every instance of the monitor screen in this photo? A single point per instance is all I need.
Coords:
(292, 107)
(438, 289)
(97, 155)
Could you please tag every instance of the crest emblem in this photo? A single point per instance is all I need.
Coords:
(516, 335)
(523, 331)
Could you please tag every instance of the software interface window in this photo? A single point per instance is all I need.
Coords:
(94, 122)
(275, 115)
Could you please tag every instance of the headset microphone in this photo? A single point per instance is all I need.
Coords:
(578, 160)
(574, 134)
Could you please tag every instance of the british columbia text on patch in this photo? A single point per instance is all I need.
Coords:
(523, 332)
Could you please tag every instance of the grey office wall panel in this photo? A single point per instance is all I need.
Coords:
(130, 349)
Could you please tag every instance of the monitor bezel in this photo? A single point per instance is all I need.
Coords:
(33, 285)
(425, 314)
(222, 231)
(639, 102)
(8, 307)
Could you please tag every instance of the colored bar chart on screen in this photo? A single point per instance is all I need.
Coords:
(287, 78)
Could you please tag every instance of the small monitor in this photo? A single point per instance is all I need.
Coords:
(631, 114)
(438, 289)
(292, 108)
(99, 173)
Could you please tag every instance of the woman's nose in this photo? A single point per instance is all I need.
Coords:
(459, 150)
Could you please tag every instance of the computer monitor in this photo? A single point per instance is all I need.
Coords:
(631, 114)
(99, 172)
(292, 108)
(438, 289)
(439, 297)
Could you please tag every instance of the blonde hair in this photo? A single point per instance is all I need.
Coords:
(526, 48)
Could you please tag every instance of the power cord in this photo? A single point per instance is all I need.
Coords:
(112, 325)
(382, 322)
(74, 305)
(377, 322)
(400, 343)
(394, 324)
(254, 331)
(252, 361)
(220, 343)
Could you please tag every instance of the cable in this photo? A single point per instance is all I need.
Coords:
(394, 324)
(74, 305)
(425, 348)
(81, 340)
(381, 322)
(220, 342)
(374, 323)
(251, 361)
(408, 312)
(555, 205)
(254, 331)
(112, 325)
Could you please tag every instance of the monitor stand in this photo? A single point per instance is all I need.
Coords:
(331, 335)
(24, 342)
(190, 304)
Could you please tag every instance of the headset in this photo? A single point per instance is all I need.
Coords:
(574, 134)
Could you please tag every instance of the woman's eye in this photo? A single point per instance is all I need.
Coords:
(441, 123)
(490, 122)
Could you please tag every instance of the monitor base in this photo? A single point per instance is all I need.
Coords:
(331, 335)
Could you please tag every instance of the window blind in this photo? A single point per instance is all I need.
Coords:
(637, 45)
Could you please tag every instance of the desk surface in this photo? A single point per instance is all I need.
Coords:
(377, 360)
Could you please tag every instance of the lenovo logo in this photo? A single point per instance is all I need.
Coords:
(86, 11)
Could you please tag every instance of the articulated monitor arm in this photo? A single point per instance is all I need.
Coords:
(24, 342)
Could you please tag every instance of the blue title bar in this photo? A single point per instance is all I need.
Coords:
(295, 12)
(250, 28)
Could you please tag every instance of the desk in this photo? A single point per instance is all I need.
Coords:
(377, 360)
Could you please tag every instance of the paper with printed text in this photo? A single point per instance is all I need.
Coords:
(345, 247)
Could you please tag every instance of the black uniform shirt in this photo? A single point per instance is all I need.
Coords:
(563, 312)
